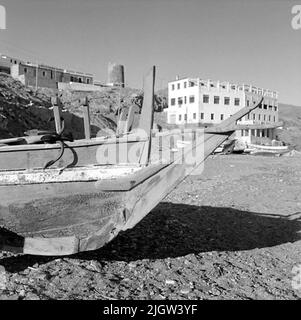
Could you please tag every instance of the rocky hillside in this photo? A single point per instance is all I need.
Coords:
(291, 132)
(23, 108)
(20, 108)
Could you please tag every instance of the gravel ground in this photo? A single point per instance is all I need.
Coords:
(231, 233)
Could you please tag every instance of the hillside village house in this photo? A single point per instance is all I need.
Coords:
(39, 75)
(207, 102)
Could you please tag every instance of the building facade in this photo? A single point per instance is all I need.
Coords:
(6, 62)
(207, 102)
(39, 75)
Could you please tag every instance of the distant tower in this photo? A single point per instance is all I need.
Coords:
(116, 75)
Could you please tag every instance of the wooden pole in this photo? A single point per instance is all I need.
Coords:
(37, 70)
(87, 120)
(57, 114)
(147, 113)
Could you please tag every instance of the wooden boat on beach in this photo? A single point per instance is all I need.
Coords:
(259, 150)
(60, 197)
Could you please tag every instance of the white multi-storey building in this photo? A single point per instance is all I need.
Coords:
(198, 101)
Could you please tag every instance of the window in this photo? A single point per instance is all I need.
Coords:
(191, 99)
(178, 86)
(265, 106)
(270, 107)
(172, 101)
(248, 103)
(194, 116)
(185, 84)
(259, 117)
(71, 79)
(88, 81)
(216, 100)
(185, 116)
(44, 73)
(246, 132)
(269, 118)
(25, 70)
(205, 98)
(236, 101)
(264, 118)
(253, 116)
(51, 74)
(226, 101)
(275, 108)
(260, 106)
(172, 87)
(185, 99)
(202, 116)
(242, 133)
(212, 116)
(222, 117)
(274, 119)
(180, 117)
(191, 84)
(180, 101)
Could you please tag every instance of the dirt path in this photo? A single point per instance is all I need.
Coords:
(232, 233)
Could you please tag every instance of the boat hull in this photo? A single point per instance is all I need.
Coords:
(55, 215)
(65, 218)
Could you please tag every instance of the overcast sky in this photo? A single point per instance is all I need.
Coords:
(237, 40)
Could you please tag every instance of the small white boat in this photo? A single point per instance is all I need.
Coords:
(268, 148)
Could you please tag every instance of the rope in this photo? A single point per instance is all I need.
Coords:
(56, 138)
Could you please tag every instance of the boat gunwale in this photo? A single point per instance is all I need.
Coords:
(75, 144)
(131, 171)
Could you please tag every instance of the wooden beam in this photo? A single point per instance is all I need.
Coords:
(147, 114)
(130, 119)
(230, 122)
(57, 114)
(51, 246)
(125, 120)
(147, 111)
(121, 124)
(87, 125)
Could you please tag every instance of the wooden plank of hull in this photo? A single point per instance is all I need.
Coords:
(58, 216)
(55, 207)
(37, 156)
(102, 174)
